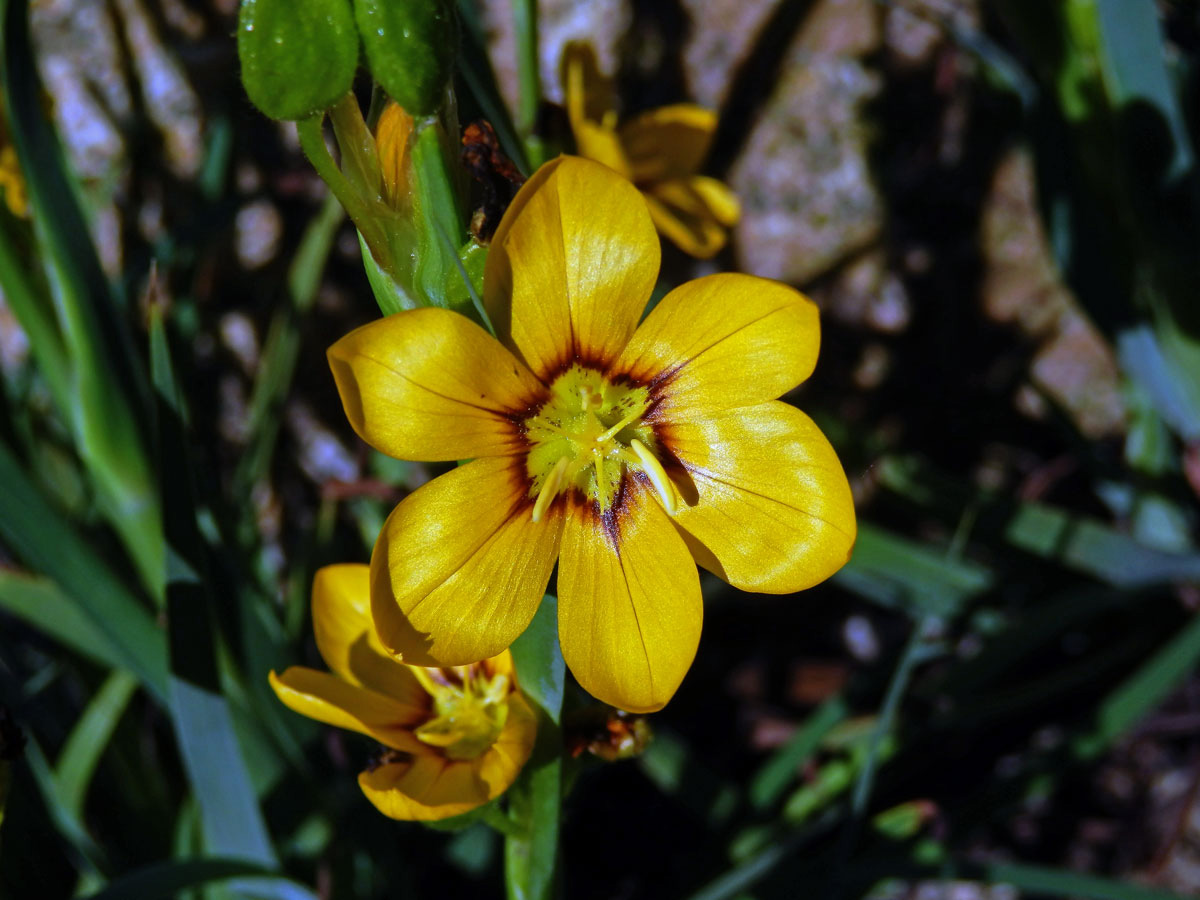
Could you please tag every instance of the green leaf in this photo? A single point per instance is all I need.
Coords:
(167, 879)
(535, 800)
(1143, 691)
(894, 570)
(781, 769)
(106, 385)
(85, 744)
(38, 535)
(1061, 883)
(212, 758)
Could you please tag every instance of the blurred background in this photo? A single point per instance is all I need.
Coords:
(994, 204)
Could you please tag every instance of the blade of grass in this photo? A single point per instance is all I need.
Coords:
(107, 387)
(1142, 691)
(33, 311)
(895, 571)
(772, 779)
(37, 534)
(167, 879)
(212, 758)
(1061, 883)
(85, 744)
(477, 72)
(535, 801)
(42, 604)
(525, 24)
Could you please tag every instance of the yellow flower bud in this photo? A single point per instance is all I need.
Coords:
(391, 144)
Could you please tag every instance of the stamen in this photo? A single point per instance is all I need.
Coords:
(616, 429)
(549, 489)
(663, 485)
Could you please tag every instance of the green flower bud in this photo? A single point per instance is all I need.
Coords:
(410, 45)
(298, 56)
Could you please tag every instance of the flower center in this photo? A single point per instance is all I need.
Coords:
(470, 709)
(585, 437)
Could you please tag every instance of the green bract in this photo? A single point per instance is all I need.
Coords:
(410, 45)
(298, 56)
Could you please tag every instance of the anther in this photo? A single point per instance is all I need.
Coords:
(549, 489)
(658, 477)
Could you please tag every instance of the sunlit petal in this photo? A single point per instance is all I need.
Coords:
(460, 566)
(571, 266)
(629, 603)
(341, 609)
(331, 700)
(724, 341)
(774, 512)
(430, 384)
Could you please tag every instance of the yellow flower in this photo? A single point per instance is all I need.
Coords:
(627, 453)
(660, 151)
(458, 736)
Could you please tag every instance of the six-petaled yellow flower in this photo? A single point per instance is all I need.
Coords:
(458, 736)
(625, 453)
(661, 151)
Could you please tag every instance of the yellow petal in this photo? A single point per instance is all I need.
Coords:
(601, 144)
(499, 765)
(430, 384)
(331, 700)
(425, 788)
(571, 266)
(683, 217)
(341, 610)
(774, 512)
(589, 94)
(724, 341)
(720, 199)
(629, 603)
(460, 566)
(430, 787)
(668, 142)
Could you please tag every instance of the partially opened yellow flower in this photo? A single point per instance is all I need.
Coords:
(626, 453)
(457, 736)
(661, 151)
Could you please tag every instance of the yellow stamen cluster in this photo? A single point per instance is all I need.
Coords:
(586, 436)
(470, 709)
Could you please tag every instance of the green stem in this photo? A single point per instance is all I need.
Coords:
(360, 163)
(528, 76)
(312, 142)
(500, 821)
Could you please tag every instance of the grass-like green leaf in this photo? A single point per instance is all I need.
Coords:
(168, 879)
(41, 538)
(770, 781)
(535, 800)
(107, 388)
(233, 823)
(85, 745)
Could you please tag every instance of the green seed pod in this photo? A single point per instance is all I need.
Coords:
(298, 56)
(410, 45)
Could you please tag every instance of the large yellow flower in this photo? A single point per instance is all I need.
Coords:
(661, 151)
(628, 453)
(458, 736)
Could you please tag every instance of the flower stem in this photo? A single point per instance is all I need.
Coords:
(359, 159)
(312, 142)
